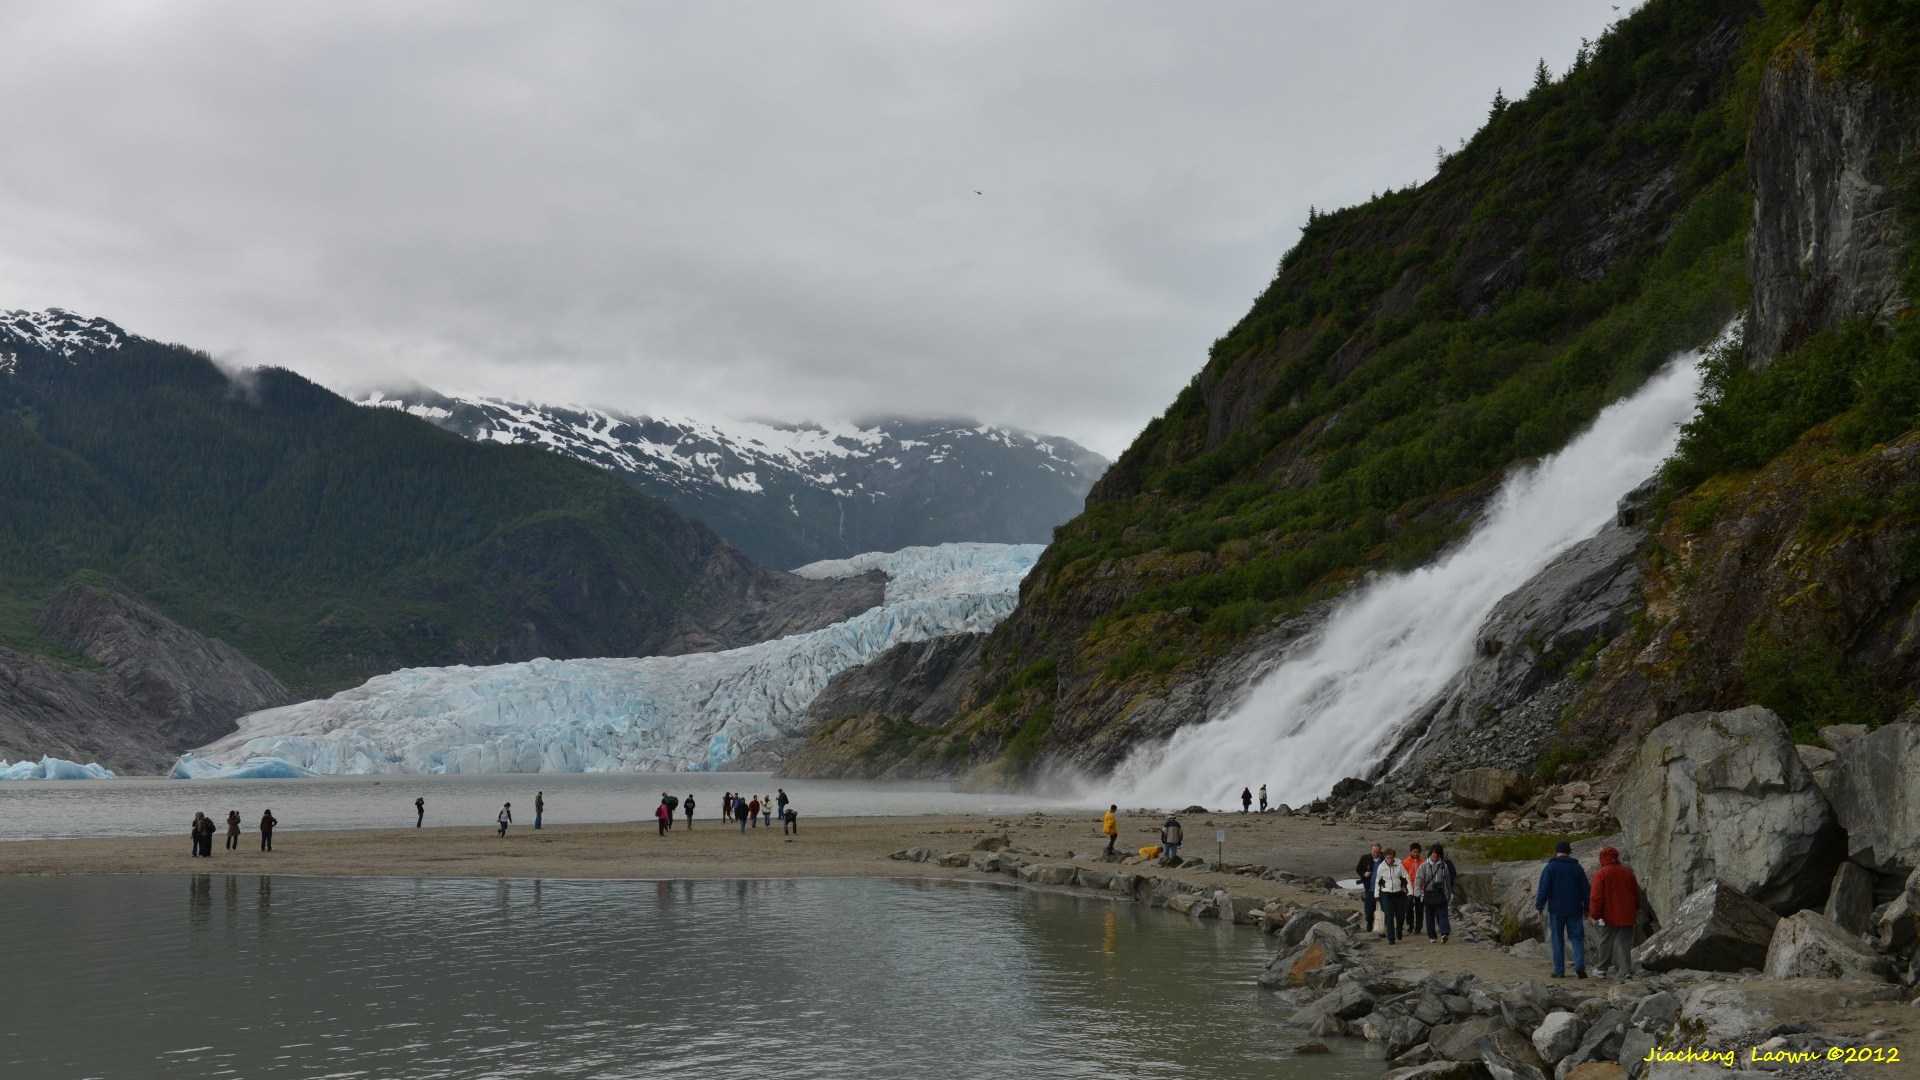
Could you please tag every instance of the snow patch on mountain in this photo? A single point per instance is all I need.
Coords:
(56, 330)
(656, 713)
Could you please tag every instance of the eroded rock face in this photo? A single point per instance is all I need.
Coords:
(1850, 898)
(1487, 789)
(1808, 945)
(1715, 929)
(1876, 797)
(1724, 796)
(1826, 242)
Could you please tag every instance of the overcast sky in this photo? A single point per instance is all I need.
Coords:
(752, 209)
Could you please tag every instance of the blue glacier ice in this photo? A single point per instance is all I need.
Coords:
(191, 767)
(53, 768)
(655, 713)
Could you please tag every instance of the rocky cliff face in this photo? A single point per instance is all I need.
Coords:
(158, 688)
(1828, 239)
(854, 727)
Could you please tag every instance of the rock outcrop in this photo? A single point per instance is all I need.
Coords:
(915, 685)
(1715, 929)
(1808, 945)
(1724, 796)
(157, 688)
(1876, 797)
(1827, 241)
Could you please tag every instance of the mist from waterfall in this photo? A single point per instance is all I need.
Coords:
(1335, 706)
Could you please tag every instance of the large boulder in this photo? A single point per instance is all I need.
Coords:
(1488, 789)
(1508, 1055)
(1808, 945)
(1715, 929)
(1850, 897)
(1896, 927)
(1876, 796)
(1323, 944)
(1557, 1035)
(1442, 1070)
(1454, 1042)
(1725, 796)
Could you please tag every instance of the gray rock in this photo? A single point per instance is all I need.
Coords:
(1458, 819)
(1635, 1045)
(1557, 1035)
(1347, 1001)
(1725, 795)
(1323, 945)
(1515, 885)
(1876, 796)
(1601, 1043)
(1418, 1055)
(1819, 762)
(1896, 928)
(1442, 1070)
(1487, 789)
(1716, 929)
(1525, 1005)
(1850, 897)
(1455, 1042)
(1808, 945)
(1835, 736)
(1294, 930)
(1395, 1032)
(1430, 1008)
(1509, 1056)
(1656, 1012)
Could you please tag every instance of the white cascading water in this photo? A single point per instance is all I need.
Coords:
(1334, 708)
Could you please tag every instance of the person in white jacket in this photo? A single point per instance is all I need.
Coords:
(1390, 884)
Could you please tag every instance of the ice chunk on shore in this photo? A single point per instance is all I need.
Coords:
(656, 713)
(53, 768)
(190, 767)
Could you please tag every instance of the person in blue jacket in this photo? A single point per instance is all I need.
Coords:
(1563, 895)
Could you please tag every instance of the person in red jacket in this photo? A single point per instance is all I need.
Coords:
(1615, 905)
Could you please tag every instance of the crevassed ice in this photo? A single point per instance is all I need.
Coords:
(53, 768)
(653, 713)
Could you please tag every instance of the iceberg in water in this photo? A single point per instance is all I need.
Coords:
(654, 713)
(190, 767)
(53, 768)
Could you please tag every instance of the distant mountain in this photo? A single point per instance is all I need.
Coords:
(326, 542)
(789, 494)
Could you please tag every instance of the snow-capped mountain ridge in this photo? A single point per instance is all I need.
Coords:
(56, 330)
(793, 493)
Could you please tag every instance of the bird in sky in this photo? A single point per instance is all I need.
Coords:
(976, 193)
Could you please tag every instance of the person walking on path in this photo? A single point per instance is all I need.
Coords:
(1110, 827)
(1391, 884)
(1414, 902)
(1563, 894)
(233, 830)
(1365, 870)
(1263, 798)
(1615, 904)
(505, 818)
(1246, 799)
(753, 812)
(689, 808)
(726, 807)
(1434, 883)
(419, 811)
(267, 822)
(1170, 837)
(539, 808)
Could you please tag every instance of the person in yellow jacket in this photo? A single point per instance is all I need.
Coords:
(1110, 827)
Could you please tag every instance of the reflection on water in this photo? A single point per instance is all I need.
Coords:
(402, 978)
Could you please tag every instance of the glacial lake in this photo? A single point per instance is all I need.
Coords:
(386, 978)
(152, 805)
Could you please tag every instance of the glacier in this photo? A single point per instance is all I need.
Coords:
(656, 713)
(53, 768)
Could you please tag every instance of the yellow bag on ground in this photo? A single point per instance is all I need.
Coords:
(1150, 852)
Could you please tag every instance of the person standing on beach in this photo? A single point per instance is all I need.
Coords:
(726, 807)
(689, 806)
(1390, 884)
(781, 797)
(1263, 798)
(193, 831)
(1246, 799)
(539, 808)
(1563, 895)
(1170, 836)
(663, 817)
(766, 811)
(1434, 883)
(267, 822)
(740, 813)
(1110, 827)
(1368, 865)
(233, 829)
(1615, 904)
(753, 812)
(505, 818)
(419, 811)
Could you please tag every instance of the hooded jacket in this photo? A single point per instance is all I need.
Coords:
(1563, 887)
(1108, 826)
(1615, 898)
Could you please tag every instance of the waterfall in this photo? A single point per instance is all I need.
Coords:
(1333, 708)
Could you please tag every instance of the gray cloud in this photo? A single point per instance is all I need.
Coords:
(738, 208)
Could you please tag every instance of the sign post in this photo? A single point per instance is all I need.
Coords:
(1220, 847)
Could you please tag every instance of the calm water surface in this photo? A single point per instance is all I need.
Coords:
(135, 806)
(242, 976)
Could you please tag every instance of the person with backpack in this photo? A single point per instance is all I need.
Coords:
(1391, 885)
(1434, 883)
(663, 816)
(1615, 905)
(780, 797)
(267, 822)
(688, 805)
(194, 831)
(1365, 870)
(1563, 896)
(1170, 836)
